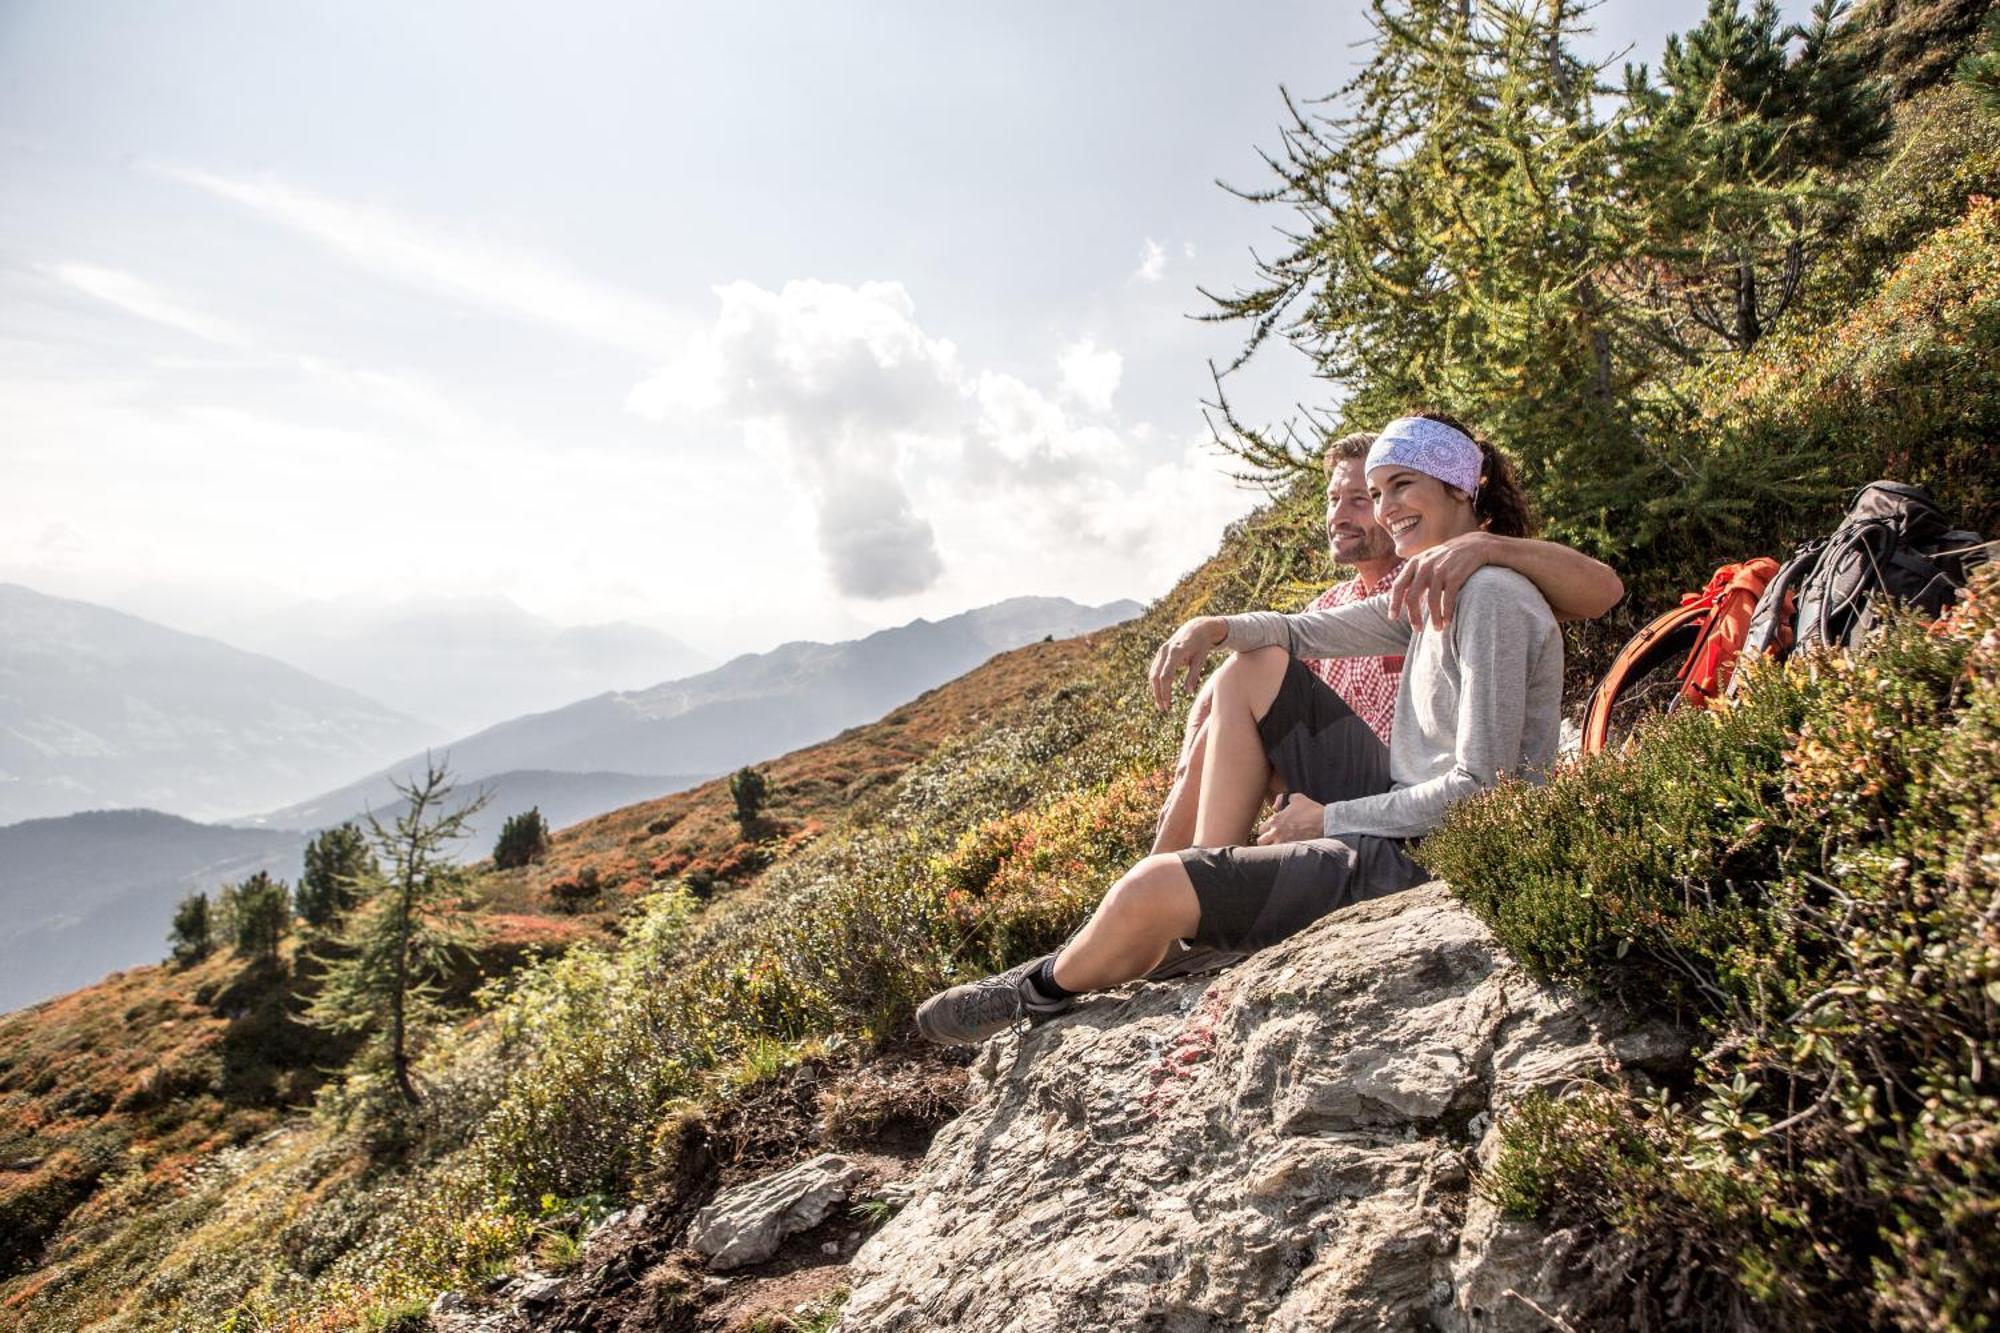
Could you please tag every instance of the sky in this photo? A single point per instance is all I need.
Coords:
(748, 322)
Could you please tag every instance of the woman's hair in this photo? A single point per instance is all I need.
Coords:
(1501, 506)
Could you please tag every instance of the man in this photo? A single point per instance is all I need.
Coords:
(1575, 586)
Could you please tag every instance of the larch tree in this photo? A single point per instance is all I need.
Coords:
(1451, 213)
(400, 937)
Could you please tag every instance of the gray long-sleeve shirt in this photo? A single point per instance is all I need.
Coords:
(1480, 698)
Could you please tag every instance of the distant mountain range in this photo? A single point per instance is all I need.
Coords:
(754, 707)
(464, 663)
(102, 709)
(87, 894)
(90, 893)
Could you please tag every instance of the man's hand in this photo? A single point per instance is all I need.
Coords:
(1426, 587)
(1182, 655)
(1296, 819)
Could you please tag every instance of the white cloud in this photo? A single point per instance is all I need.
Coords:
(1152, 262)
(504, 277)
(1187, 249)
(933, 483)
(135, 296)
(1089, 374)
(848, 383)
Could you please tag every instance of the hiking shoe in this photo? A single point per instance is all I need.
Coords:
(1192, 960)
(969, 1014)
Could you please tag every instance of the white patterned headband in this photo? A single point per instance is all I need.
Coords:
(1429, 447)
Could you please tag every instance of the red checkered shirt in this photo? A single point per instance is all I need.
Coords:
(1368, 684)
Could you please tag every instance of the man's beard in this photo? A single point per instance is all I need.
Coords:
(1363, 546)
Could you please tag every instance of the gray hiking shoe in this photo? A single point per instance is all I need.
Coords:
(967, 1015)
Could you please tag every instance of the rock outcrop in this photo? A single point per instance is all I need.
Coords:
(1288, 1146)
(746, 1225)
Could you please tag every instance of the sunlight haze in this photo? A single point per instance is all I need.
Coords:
(745, 323)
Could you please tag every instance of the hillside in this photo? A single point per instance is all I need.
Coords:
(160, 1067)
(99, 710)
(1699, 1034)
(90, 892)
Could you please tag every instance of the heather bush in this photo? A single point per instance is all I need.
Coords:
(1808, 878)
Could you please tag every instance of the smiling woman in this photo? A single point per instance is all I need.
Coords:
(1479, 697)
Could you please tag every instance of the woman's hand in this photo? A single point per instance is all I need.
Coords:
(1296, 819)
(1426, 587)
(1182, 655)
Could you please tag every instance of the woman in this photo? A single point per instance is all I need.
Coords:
(1479, 697)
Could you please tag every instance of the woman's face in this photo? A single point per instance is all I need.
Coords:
(1418, 511)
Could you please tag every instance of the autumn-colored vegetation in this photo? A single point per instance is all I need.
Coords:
(637, 1008)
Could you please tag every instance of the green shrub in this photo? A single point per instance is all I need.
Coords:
(1766, 451)
(589, 1044)
(1810, 877)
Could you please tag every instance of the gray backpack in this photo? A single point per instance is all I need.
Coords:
(1894, 545)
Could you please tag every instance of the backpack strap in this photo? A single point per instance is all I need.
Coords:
(1770, 633)
(1674, 634)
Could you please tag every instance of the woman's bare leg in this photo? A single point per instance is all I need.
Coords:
(1128, 935)
(1235, 774)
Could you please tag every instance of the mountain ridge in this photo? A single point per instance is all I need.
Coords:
(748, 710)
(103, 709)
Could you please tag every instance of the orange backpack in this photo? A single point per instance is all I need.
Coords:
(1705, 632)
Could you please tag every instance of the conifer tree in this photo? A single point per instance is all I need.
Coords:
(1453, 209)
(190, 936)
(523, 840)
(400, 937)
(260, 914)
(749, 787)
(336, 861)
(1729, 165)
(1979, 71)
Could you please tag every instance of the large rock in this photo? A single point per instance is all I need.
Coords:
(1289, 1147)
(746, 1225)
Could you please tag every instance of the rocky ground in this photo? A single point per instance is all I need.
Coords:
(1289, 1145)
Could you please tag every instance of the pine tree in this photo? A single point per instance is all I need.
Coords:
(1980, 70)
(259, 913)
(336, 861)
(402, 933)
(189, 935)
(1729, 166)
(749, 787)
(523, 840)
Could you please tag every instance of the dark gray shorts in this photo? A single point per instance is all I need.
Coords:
(1255, 896)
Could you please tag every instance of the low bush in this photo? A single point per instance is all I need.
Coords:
(1811, 878)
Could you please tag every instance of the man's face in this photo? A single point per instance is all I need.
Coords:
(1351, 529)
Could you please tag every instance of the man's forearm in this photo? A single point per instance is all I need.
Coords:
(1575, 586)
